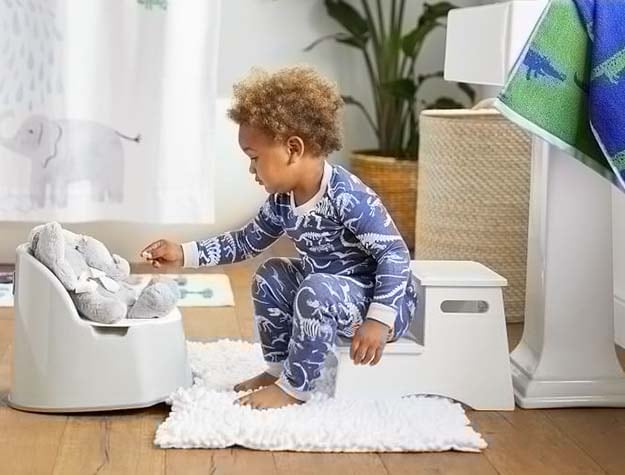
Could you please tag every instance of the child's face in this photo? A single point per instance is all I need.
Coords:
(270, 161)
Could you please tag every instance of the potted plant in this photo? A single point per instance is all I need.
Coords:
(390, 45)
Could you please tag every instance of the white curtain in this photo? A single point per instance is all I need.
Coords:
(107, 110)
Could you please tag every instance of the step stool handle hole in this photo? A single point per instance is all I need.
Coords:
(464, 306)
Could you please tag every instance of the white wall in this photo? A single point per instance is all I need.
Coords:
(268, 33)
(618, 213)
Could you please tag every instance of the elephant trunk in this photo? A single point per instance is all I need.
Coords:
(6, 141)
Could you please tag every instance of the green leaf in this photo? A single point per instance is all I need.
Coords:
(468, 90)
(411, 42)
(349, 100)
(334, 36)
(423, 77)
(432, 12)
(412, 146)
(353, 41)
(444, 103)
(343, 38)
(402, 88)
(349, 18)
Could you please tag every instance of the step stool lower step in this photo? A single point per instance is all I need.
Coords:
(388, 378)
(403, 346)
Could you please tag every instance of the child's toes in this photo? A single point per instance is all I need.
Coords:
(243, 401)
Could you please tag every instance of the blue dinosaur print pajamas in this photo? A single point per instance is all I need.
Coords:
(352, 265)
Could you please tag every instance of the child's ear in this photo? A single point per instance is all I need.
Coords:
(295, 146)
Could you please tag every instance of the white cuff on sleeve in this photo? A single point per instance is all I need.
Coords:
(191, 254)
(382, 313)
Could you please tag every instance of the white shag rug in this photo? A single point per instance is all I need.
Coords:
(204, 416)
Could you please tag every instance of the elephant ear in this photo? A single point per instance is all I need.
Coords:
(50, 251)
(99, 257)
(52, 133)
(33, 238)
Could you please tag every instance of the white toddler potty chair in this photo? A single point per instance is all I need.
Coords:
(65, 363)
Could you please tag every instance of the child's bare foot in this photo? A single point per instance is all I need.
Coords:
(260, 381)
(271, 397)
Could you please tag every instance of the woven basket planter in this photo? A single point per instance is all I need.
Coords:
(474, 177)
(395, 181)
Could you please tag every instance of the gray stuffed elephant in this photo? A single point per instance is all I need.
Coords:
(96, 279)
(65, 151)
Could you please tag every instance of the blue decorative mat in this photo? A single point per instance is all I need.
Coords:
(6, 289)
(196, 290)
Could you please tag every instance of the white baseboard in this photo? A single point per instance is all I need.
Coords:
(619, 320)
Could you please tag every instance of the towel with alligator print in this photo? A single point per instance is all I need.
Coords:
(568, 85)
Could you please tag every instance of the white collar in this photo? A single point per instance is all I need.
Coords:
(311, 203)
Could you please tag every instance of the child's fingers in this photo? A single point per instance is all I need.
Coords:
(148, 249)
(369, 355)
(378, 356)
(154, 250)
(156, 264)
(243, 401)
(158, 253)
(360, 354)
(354, 348)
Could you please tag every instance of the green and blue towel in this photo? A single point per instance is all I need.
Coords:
(568, 84)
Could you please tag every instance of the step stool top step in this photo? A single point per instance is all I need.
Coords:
(456, 274)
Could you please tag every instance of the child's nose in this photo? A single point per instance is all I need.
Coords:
(252, 168)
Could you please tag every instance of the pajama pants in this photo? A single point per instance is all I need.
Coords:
(299, 316)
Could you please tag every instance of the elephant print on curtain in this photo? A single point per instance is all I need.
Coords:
(66, 151)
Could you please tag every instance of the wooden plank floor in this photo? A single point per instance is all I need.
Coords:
(563, 441)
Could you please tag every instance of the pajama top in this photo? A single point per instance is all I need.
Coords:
(343, 230)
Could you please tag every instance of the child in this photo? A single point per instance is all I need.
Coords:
(352, 275)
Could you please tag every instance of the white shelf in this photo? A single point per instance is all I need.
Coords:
(483, 42)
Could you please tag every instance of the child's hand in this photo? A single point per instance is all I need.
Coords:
(368, 343)
(164, 253)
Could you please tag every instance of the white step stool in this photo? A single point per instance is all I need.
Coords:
(457, 346)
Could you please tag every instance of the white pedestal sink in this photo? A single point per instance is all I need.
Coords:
(566, 356)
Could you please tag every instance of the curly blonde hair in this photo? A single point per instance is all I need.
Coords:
(291, 101)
